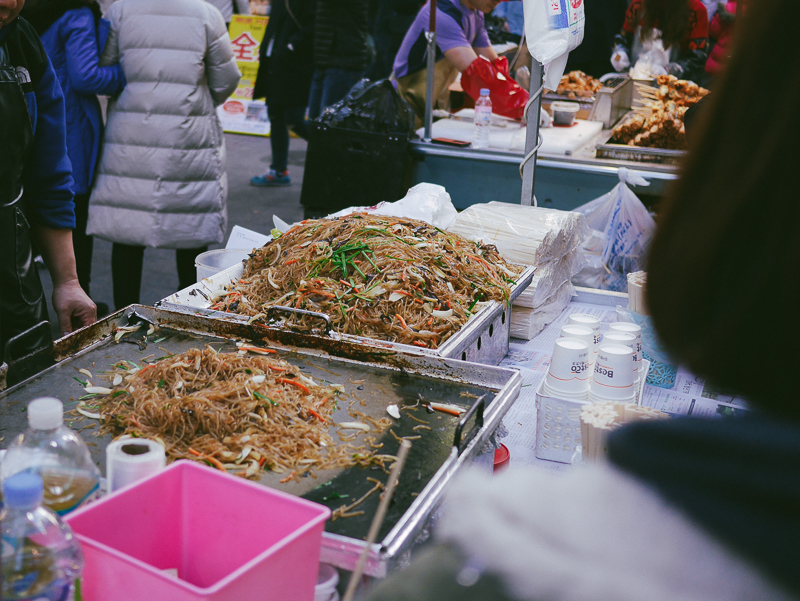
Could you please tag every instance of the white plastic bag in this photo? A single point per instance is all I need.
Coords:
(621, 220)
(553, 28)
(427, 202)
(650, 64)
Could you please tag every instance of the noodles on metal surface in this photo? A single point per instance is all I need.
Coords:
(234, 411)
(395, 279)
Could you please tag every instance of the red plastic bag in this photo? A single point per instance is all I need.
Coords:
(508, 98)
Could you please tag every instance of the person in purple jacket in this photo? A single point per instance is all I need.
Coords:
(74, 34)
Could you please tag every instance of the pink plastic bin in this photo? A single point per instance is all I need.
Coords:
(229, 539)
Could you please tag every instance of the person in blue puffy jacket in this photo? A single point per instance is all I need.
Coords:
(35, 193)
(74, 34)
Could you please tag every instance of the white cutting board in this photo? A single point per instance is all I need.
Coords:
(500, 138)
(555, 140)
(566, 140)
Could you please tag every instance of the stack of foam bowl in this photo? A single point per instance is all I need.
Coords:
(612, 380)
(584, 333)
(568, 377)
(589, 321)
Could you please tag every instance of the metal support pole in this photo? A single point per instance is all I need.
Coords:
(533, 139)
(431, 36)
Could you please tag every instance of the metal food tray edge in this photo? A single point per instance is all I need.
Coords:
(483, 339)
(639, 154)
(338, 550)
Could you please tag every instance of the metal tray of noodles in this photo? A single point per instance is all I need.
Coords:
(483, 339)
(639, 154)
(372, 379)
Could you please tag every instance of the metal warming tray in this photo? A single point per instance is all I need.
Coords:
(608, 105)
(373, 379)
(483, 339)
(639, 154)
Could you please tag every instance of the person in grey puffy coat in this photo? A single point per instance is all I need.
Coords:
(161, 179)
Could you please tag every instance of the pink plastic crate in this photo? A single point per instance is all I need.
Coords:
(229, 539)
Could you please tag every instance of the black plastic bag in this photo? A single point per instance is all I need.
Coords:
(375, 107)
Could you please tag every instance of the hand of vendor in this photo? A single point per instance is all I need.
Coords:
(73, 306)
(461, 36)
(484, 69)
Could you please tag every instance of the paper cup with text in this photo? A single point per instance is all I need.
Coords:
(629, 340)
(632, 329)
(584, 333)
(569, 368)
(590, 321)
(613, 373)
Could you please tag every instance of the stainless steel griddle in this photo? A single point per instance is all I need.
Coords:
(373, 378)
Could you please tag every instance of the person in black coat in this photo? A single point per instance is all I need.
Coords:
(392, 22)
(341, 53)
(286, 65)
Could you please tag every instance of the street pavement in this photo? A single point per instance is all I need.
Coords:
(248, 206)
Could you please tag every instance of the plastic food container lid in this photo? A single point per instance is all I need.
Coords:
(502, 457)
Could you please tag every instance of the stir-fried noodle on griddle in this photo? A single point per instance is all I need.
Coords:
(382, 277)
(234, 411)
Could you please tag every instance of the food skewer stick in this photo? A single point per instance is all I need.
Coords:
(643, 86)
(377, 521)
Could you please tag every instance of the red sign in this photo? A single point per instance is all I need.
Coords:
(244, 48)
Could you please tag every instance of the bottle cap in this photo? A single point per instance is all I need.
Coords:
(45, 414)
(484, 91)
(23, 490)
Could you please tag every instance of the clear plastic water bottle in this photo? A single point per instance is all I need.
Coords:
(41, 558)
(483, 120)
(57, 454)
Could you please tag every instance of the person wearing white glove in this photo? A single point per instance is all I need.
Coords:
(620, 59)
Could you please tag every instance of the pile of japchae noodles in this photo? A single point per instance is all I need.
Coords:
(235, 412)
(382, 277)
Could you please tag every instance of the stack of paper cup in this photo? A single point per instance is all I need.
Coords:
(568, 377)
(584, 333)
(613, 375)
(623, 339)
(590, 321)
(131, 459)
(635, 331)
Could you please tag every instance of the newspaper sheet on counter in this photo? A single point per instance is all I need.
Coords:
(689, 395)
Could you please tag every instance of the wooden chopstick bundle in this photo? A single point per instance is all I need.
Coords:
(637, 282)
(599, 419)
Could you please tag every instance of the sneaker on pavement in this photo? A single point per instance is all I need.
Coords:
(271, 178)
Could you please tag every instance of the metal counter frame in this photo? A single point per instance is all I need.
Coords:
(561, 182)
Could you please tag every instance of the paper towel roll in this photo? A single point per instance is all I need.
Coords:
(131, 459)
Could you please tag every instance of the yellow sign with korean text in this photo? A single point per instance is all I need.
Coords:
(240, 113)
